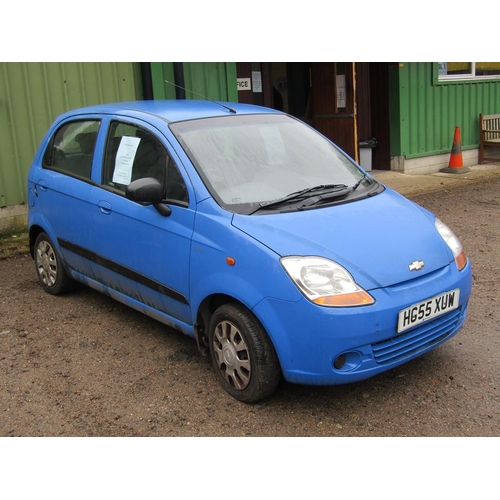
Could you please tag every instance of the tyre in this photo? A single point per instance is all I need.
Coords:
(242, 354)
(49, 267)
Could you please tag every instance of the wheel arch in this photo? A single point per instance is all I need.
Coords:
(34, 232)
(205, 311)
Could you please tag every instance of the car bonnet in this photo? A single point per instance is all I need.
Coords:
(376, 239)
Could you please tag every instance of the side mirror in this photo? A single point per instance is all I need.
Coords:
(149, 191)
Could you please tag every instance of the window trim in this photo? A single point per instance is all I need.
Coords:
(461, 79)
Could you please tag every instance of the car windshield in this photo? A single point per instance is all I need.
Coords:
(253, 161)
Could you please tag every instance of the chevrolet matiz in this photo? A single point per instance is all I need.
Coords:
(249, 231)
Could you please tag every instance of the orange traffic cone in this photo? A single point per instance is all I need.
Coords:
(456, 164)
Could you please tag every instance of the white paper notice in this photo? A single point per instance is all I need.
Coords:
(125, 159)
(257, 81)
(341, 103)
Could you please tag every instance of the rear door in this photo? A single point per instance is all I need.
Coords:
(64, 187)
(141, 253)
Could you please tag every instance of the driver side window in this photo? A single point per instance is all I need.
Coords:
(134, 153)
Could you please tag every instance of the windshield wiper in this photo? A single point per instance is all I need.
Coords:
(298, 195)
(336, 194)
(359, 182)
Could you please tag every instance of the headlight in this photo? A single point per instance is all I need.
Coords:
(453, 242)
(325, 282)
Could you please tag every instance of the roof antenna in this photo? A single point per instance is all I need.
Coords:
(232, 110)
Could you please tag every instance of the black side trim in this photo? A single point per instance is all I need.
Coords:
(123, 271)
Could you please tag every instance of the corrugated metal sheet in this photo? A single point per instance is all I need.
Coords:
(33, 94)
(430, 111)
(212, 80)
(161, 73)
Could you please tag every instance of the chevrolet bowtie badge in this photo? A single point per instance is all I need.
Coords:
(416, 265)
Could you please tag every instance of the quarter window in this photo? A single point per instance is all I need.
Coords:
(71, 150)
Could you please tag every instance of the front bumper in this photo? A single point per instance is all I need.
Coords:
(328, 346)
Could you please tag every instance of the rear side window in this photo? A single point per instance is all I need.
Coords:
(134, 153)
(71, 150)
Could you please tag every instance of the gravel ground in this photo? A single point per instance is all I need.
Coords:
(84, 365)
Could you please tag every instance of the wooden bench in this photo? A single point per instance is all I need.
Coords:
(489, 135)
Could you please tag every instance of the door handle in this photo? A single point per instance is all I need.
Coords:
(42, 184)
(105, 207)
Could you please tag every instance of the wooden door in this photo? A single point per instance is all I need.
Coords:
(333, 87)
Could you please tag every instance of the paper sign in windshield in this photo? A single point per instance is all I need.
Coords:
(125, 160)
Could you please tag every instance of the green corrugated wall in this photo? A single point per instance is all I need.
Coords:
(161, 72)
(32, 94)
(213, 80)
(424, 113)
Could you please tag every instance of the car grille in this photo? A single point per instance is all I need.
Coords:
(416, 340)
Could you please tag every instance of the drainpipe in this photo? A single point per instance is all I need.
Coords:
(180, 91)
(147, 81)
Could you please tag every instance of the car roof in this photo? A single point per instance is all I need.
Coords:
(175, 110)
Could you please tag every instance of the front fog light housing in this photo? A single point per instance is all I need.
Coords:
(453, 242)
(325, 282)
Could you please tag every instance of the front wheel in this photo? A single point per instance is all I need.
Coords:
(242, 354)
(49, 268)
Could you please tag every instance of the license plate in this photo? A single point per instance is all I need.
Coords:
(428, 309)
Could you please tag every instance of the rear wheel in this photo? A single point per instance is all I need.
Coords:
(49, 267)
(242, 354)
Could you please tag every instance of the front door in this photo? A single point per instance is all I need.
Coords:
(142, 253)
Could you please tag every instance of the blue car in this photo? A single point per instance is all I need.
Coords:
(249, 231)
